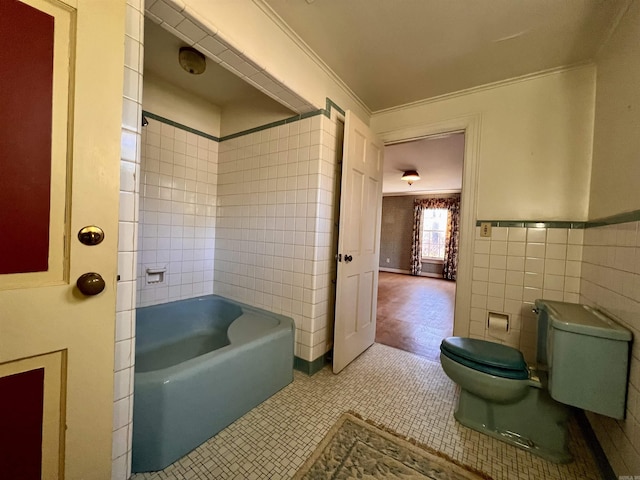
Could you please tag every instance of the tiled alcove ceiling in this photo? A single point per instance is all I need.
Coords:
(185, 24)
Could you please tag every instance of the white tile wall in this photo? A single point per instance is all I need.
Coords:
(272, 238)
(611, 281)
(598, 266)
(513, 268)
(177, 213)
(275, 225)
(127, 241)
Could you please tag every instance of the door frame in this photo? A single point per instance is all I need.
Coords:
(471, 125)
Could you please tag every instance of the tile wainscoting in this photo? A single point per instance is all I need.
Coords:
(595, 263)
(611, 281)
(514, 267)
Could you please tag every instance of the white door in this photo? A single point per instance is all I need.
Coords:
(358, 243)
(61, 82)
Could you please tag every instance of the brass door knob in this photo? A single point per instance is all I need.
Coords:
(90, 283)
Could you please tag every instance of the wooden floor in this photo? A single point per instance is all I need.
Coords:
(414, 313)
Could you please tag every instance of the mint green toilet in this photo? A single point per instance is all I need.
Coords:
(582, 361)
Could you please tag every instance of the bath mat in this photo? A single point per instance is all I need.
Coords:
(355, 448)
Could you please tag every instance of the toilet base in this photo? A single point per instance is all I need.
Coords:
(536, 423)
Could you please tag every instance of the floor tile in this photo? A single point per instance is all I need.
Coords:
(401, 390)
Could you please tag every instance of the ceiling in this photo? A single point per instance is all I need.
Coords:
(438, 160)
(393, 52)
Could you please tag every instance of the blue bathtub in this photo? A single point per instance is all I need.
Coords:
(201, 364)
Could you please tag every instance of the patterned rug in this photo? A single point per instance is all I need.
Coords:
(354, 448)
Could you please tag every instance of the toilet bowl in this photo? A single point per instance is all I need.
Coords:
(516, 410)
(506, 376)
(501, 396)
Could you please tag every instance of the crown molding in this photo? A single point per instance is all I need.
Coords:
(420, 193)
(485, 87)
(302, 45)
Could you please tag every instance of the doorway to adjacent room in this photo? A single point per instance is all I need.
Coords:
(419, 243)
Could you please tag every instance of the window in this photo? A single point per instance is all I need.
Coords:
(434, 232)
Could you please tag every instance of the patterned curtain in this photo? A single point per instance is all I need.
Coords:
(451, 240)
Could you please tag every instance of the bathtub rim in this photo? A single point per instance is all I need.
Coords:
(167, 374)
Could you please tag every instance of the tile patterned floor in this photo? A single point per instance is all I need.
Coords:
(403, 391)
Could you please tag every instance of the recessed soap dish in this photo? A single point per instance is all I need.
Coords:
(155, 275)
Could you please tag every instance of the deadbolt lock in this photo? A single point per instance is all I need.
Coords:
(91, 235)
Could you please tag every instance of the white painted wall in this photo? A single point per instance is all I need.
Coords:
(616, 149)
(535, 142)
(250, 113)
(250, 29)
(168, 101)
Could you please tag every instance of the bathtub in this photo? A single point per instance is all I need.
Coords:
(201, 364)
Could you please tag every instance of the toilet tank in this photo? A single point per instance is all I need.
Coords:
(587, 355)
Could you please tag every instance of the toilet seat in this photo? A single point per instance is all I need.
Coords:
(487, 357)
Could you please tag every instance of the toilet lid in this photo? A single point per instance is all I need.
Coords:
(488, 357)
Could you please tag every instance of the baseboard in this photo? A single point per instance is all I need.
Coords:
(408, 272)
(604, 466)
(394, 270)
(430, 275)
(311, 367)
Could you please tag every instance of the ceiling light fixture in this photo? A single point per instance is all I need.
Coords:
(410, 176)
(192, 60)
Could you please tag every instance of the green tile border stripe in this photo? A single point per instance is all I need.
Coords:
(311, 367)
(626, 217)
(633, 216)
(179, 125)
(331, 105)
(531, 224)
(322, 111)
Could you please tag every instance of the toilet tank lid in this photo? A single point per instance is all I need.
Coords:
(582, 319)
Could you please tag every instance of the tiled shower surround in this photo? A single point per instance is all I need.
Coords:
(177, 214)
(261, 204)
(274, 231)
